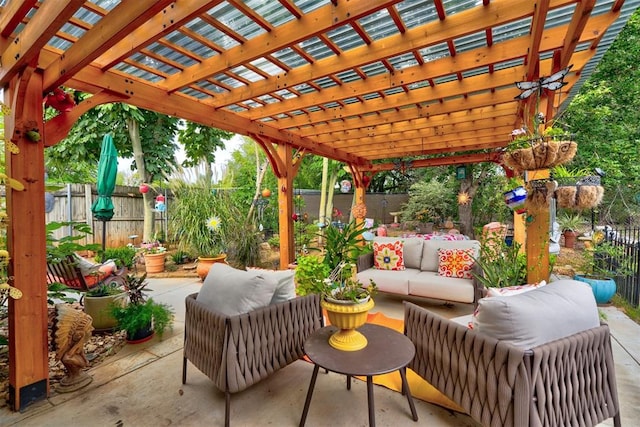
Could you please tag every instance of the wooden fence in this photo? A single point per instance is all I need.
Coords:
(73, 203)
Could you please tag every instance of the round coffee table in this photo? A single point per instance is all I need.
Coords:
(387, 351)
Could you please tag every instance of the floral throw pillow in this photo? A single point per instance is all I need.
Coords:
(455, 262)
(388, 256)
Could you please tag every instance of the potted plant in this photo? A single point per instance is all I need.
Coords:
(346, 300)
(569, 224)
(142, 317)
(601, 264)
(154, 258)
(97, 303)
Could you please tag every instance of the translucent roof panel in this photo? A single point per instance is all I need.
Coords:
(273, 12)
(415, 12)
(235, 20)
(379, 25)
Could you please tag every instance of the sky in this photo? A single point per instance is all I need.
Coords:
(222, 157)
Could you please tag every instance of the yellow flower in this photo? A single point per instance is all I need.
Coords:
(214, 223)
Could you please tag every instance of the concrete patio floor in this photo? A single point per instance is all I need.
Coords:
(141, 385)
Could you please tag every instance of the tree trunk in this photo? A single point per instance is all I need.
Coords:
(148, 199)
(465, 214)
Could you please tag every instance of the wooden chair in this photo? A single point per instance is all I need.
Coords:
(68, 273)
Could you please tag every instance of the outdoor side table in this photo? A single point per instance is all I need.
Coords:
(387, 351)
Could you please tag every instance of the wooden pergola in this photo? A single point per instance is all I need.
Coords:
(367, 82)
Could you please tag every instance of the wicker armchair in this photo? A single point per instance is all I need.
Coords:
(230, 350)
(567, 382)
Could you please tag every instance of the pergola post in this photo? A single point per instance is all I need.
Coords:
(537, 235)
(361, 182)
(285, 207)
(28, 346)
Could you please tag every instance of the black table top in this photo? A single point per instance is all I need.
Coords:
(387, 351)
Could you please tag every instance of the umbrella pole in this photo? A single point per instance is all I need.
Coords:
(104, 234)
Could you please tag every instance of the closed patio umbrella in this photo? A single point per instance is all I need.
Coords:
(102, 208)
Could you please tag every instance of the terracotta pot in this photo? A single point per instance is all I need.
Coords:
(154, 263)
(570, 239)
(205, 263)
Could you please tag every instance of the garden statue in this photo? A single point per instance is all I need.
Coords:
(73, 329)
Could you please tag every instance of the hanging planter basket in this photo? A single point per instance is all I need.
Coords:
(542, 154)
(579, 193)
(539, 193)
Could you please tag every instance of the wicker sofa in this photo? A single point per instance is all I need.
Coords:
(567, 381)
(238, 351)
(420, 276)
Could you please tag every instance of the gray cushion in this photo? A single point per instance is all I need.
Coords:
(285, 283)
(533, 318)
(231, 291)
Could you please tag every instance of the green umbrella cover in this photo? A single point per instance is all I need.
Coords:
(102, 208)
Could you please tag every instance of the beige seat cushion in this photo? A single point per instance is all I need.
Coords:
(230, 291)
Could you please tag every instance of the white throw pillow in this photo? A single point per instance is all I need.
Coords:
(231, 291)
(285, 283)
(533, 318)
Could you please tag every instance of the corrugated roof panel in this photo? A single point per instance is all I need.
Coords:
(304, 88)
(59, 43)
(273, 12)
(435, 52)
(235, 20)
(206, 85)
(226, 80)
(316, 48)
(150, 62)
(107, 4)
(393, 91)
(511, 30)
(267, 66)
(73, 30)
(347, 101)
(195, 93)
(88, 16)
(508, 64)
(379, 25)
(308, 5)
(374, 69)
(470, 42)
(345, 37)
(475, 72)
(246, 73)
(290, 58)
(559, 16)
(452, 7)
(417, 12)
(172, 55)
(445, 79)
(325, 82)
(348, 76)
(189, 44)
(137, 72)
(403, 61)
(210, 33)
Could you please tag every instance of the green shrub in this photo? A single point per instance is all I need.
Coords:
(123, 256)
